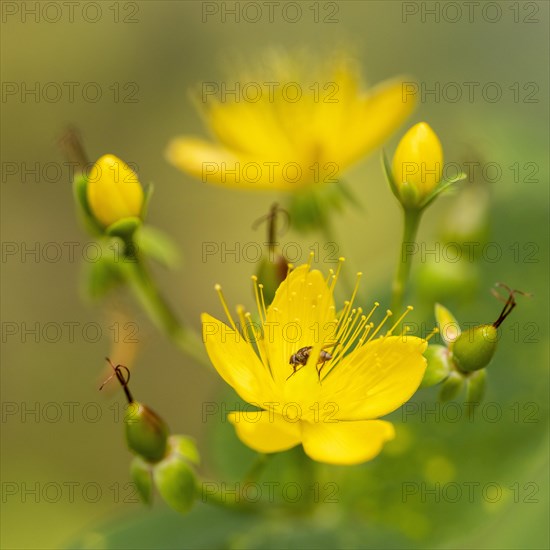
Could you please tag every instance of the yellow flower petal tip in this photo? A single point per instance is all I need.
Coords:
(290, 124)
(319, 376)
(113, 191)
(417, 166)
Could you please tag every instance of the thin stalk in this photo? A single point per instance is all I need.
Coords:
(161, 313)
(410, 228)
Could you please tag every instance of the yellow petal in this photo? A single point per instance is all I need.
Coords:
(219, 165)
(265, 431)
(376, 378)
(236, 361)
(345, 442)
(299, 316)
(370, 122)
(251, 128)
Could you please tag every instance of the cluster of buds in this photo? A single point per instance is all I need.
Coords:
(162, 460)
(466, 354)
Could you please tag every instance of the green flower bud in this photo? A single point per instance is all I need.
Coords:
(142, 477)
(439, 365)
(474, 348)
(271, 273)
(146, 432)
(175, 481)
(451, 387)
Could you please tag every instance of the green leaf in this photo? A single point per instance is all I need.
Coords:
(155, 244)
(142, 477)
(101, 276)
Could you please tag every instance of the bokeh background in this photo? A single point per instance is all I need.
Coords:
(65, 466)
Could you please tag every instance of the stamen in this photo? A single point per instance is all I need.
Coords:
(261, 287)
(261, 309)
(408, 310)
(376, 305)
(341, 261)
(241, 314)
(224, 305)
(368, 328)
(388, 315)
(360, 326)
(348, 304)
(432, 334)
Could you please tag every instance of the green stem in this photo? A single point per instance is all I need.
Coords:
(225, 498)
(410, 228)
(257, 467)
(161, 313)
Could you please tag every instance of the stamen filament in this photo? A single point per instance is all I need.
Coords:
(407, 311)
(388, 315)
(224, 305)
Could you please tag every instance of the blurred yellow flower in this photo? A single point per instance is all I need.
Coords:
(294, 125)
(417, 166)
(113, 191)
(320, 378)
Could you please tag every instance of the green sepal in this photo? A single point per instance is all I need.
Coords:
(389, 176)
(143, 478)
(124, 228)
(439, 365)
(184, 446)
(147, 194)
(80, 185)
(156, 245)
(443, 185)
(451, 387)
(175, 481)
(476, 385)
(474, 348)
(449, 329)
(146, 432)
(310, 209)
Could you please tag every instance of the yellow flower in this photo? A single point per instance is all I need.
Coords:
(113, 191)
(329, 405)
(294, 125)
(417, 164)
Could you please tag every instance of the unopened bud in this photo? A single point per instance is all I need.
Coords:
(474, 348)
(175, 481)
(142, 477)
(146, 432)
(439, 365)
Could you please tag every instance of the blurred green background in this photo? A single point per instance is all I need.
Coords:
(164, 48)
